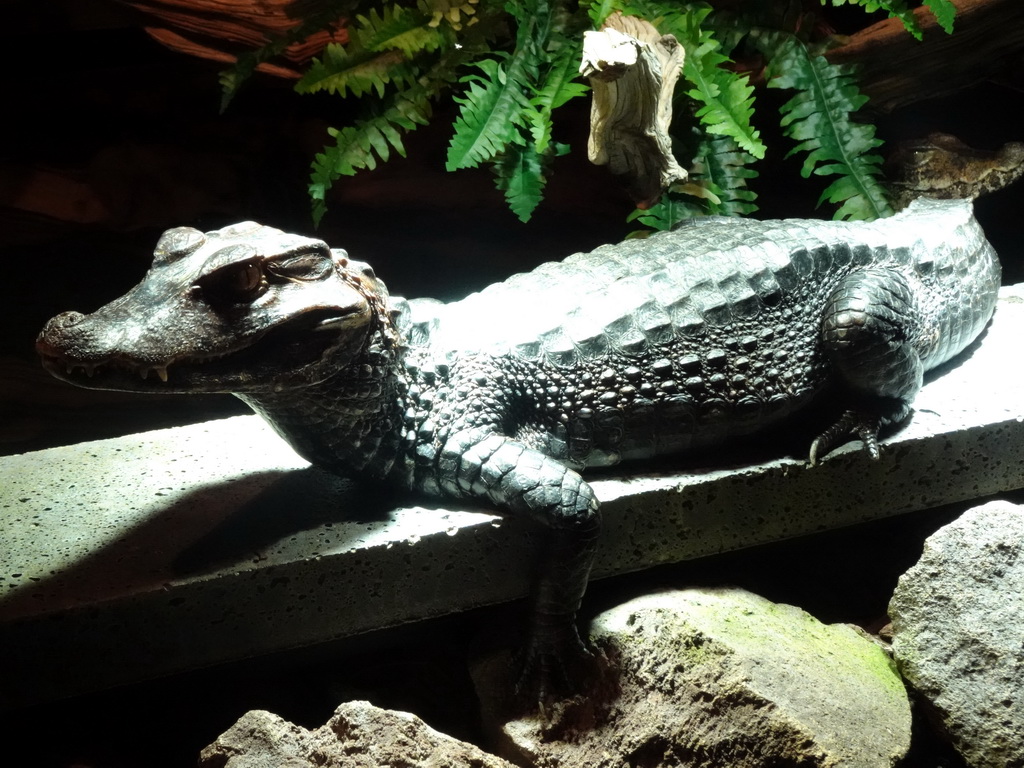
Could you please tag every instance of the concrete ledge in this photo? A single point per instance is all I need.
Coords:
(170, 550)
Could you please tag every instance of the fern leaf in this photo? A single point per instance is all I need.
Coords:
(496, 109)
(727, 97)
(854, 204)
(600, 10)
(231, 79)
(451, 12)
(399, 28)
(817, 117)
(559, 85)
(360, 145)
(520, 175)
(728, 108)
(665, 214)
(557, 88)
(490, 115)
(544, 64)
(896, 9)
(717, 186)
(378, 53)
(505, 113)
(725, 168)
(944, 12)
(342, 71)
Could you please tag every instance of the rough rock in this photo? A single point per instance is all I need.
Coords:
(958, 632)
(719, 677)
(358, 735)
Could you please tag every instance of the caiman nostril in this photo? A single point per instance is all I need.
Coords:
(49, 340)
(64, 320)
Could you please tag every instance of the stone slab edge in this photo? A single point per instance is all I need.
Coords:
(170, 550)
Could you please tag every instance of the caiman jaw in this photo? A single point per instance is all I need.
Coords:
(289, 348)
(72, 371)
(63, 367)
(89, 369)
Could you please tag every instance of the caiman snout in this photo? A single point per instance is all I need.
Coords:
(70, 341)
(71, 344)
(52, 340)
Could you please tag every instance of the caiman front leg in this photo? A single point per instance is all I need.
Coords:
(868, 331)
(483, 464)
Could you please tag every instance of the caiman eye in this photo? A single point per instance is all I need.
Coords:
(236, 284)
(302, 266)
(921, 156)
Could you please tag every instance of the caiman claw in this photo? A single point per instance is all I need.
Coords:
(864, 423)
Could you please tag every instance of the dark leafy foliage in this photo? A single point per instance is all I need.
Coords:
(510, 64)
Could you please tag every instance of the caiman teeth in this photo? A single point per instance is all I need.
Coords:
(88, 368)
(91, 369)
(160, 371)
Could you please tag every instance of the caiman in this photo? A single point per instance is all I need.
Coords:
(941, 166)
(686, 339)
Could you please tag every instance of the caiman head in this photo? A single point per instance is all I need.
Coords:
(246, 308)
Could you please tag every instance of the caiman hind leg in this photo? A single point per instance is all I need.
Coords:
(522, 480)
(868, 331)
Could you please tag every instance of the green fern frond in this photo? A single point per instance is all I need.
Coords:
(519, 174)
(352, 70)
(717, 187)
(380, 45)
(896, 9)
(818, 119)
(454, 13)
(601, 10)
(726, 169)
(492, 111)
(944, 12)
(505, 112)
(231, 79)
(398, 28)
(558, 85)
(671, 208)
(323, 17)
(548, 64)
(727, 97)
(496, 109)
(361, 145)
